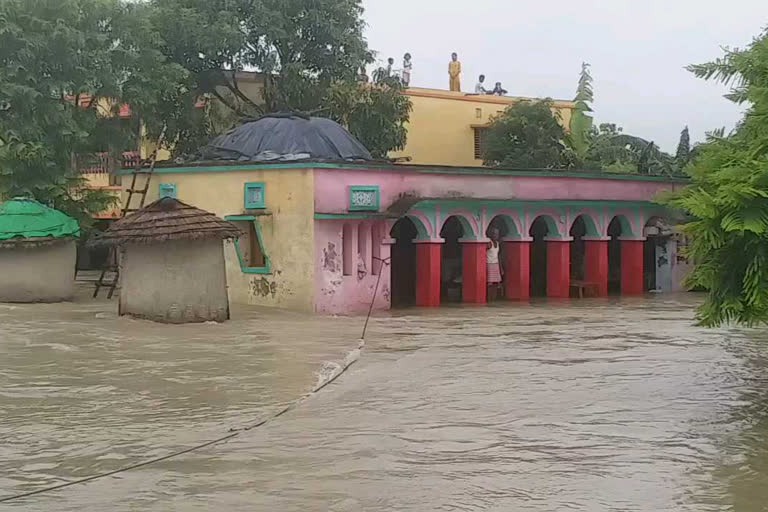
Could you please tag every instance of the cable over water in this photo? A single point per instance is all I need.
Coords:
(326, 376)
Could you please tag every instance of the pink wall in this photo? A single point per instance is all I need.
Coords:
(344, 294)
(331, 187)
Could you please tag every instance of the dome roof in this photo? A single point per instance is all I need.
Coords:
(26, 220)
(286, 137)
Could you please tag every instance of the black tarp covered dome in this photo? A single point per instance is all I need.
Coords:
(286, 137)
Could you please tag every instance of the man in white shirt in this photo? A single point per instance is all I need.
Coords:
(479, 88)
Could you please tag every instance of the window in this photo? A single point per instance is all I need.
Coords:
(346, 249)
(364, 198)
(254, 195)
(250, 245)
(363, 239)
(376, 249)
(167, 190)
(481, 143)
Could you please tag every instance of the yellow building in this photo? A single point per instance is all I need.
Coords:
(448, 128)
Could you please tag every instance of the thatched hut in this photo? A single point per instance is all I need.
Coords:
(37, 252)
(172, 263)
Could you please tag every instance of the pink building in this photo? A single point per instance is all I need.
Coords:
(319, 235)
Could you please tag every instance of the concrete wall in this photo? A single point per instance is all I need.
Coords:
(38, 274)
(440, 130)
(175, 282)
(336, 292)
(286, 229)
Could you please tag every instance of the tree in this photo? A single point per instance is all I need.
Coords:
(308, 53)
(66, 66)
(683, 154)
(728, 198)
(374, 113)
(579, 138)
(526, 135)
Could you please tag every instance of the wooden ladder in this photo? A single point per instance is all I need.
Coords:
(113, 265)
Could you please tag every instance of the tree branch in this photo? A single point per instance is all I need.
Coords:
(235, 88)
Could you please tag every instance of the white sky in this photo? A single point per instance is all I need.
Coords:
(535, 48)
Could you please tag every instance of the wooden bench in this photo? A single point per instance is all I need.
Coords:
(581, 287)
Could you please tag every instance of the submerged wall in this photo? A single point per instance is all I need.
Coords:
(174, 282)
(38, 274)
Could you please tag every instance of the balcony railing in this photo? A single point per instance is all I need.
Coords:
(104, 164)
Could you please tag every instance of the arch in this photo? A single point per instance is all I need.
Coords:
(511, 225)
(420, 225)
(549, 221)
(624, 226)
(467, 220)
(590, 222)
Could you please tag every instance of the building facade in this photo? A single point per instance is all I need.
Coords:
(448, 128)
(323, 237)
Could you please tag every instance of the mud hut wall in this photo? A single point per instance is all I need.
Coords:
(38, 274)
(177, 281)
(287, 229)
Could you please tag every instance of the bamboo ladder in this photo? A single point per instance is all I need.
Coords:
(113, 266)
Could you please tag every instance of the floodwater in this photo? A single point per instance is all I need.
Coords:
(586, 405)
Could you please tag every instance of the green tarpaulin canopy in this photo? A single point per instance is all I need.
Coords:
(26, 218)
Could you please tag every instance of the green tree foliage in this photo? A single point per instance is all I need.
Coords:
(526, 135)
(728, 198)
(374, 113)
(54, 53)
(683, 153)
(581, 130)
(308, 52)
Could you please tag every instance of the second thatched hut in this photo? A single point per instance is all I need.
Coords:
(172, 263)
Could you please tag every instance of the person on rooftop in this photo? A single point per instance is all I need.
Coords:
(390, 63)
(498, 90)
(407, 67)
(454, 73)
(480, 87)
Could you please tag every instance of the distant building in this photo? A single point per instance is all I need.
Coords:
(448, 128)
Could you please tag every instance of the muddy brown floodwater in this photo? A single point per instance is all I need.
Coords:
(585, 405)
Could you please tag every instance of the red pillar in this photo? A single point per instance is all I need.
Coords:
(596, 263)
(558, 268)
(428, 274)
(517, 268)
(631, 267)
(473, 278)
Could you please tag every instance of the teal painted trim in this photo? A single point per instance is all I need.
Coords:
(512, 203)
(375, 166)
(364, 188)
(254, 185)
(167, 190)
(337, 216)
(244, 268)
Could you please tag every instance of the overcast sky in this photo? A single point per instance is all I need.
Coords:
(535, 48)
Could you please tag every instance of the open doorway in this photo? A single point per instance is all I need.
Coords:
(403, 274)
(451, 262)
(614, 257)
(538, 267)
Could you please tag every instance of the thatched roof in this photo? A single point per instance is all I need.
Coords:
(164, 220)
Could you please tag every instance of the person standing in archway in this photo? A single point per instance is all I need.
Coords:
(493, 268)
(454, 73)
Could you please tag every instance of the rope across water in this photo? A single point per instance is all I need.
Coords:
(233, 432)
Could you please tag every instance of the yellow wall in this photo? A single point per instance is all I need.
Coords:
(440, 130)
(287, 233)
